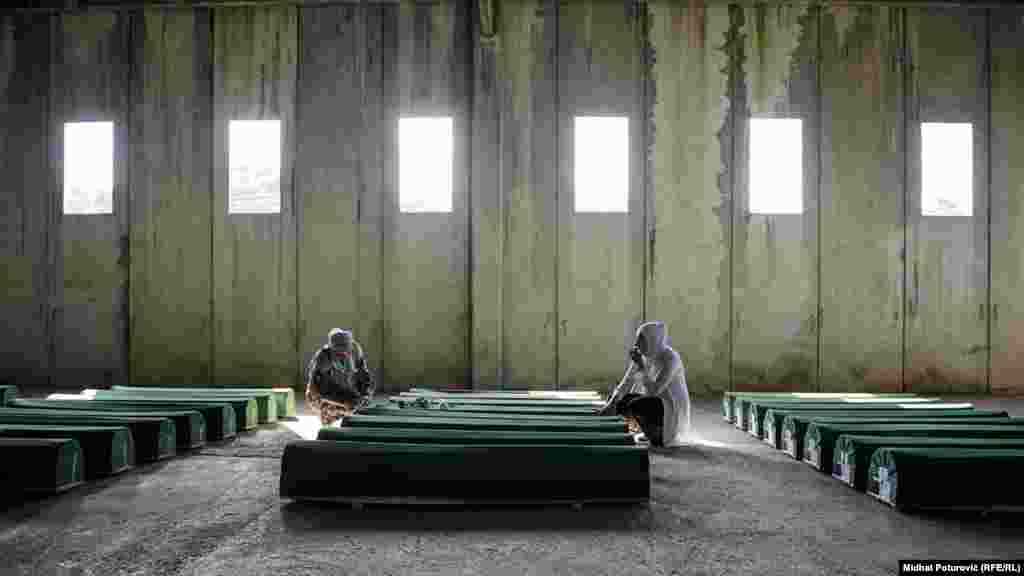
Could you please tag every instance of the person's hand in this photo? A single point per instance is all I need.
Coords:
(635, 355)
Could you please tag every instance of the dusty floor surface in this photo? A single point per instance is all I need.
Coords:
(727, 506)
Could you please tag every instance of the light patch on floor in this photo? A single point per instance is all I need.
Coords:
(306, 426)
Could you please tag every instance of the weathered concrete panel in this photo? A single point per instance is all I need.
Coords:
(1007, 336)
(775, 264)
(862, 199)
(25, 199)
(688, 285)
(600, 256)
(171, 147)
(486, 217)
(256, 336)
(525, 78)
(328, 174)
(90, 82)
(426, 288)
(947, 272)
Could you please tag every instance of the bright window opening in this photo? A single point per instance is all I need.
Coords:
(425, 148)
(601, 164)
(254, 152)
(88, 168)
(776, 166)
(947, 169)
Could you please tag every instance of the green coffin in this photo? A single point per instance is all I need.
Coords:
(189, 425)
(219, 418)
(526, 417)
(155, 438)
(851, 457)
(947, 478)
(821, 434)
(359, 420)
(582, 404)
(266, 403)
(246, 409)
(7, 393)
(44, 466)
(284, 398)
(387, 472)
(106, 450)
(441, 436)
(747, 406)
(775, 418)
(729, 398)
(756, 411)
(577, 411)
(524, 395)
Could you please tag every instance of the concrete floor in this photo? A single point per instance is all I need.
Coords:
(728, 505)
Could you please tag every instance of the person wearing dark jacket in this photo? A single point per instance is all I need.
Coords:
(338, 379)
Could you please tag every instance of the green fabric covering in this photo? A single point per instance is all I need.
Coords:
(106, 450)
(775, 418)
(795, 429)
(246, 409)
(582, 404)
(464, 473)
(44, 466)
(440, 436)
(155, 438)
(492, 408)
(729, 398)
(754, 421)
(265, 401)
(283, 397)
(7, 393)
(189, 425)
(946, 478)
(816, 457)
(219, 418)
(493, 395)
(825, 433)
(482, 424)
(748, 406)
(851, 454)
(531, 416)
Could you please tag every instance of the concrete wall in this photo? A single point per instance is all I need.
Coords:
(513, 288)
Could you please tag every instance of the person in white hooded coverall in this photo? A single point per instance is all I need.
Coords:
(663, 409)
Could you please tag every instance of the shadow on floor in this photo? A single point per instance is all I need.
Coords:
(331, 517)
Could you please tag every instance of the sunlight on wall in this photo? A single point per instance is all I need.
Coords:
(88, 168)
(947, 169)
(601, 164)
(254, 157)
(425, 149)
(776, 166)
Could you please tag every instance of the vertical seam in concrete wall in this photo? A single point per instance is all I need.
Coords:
(469, 113)
(211, 54)
(988, 201)
(51, 205)
(557, 188)
(127, 105)
(296, 204)
(904, 59)
(734, 79)
(819, 145)
(645, 72)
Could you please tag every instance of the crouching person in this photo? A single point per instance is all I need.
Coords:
(338, 380)
(653, 391)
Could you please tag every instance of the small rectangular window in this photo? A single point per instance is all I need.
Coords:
(425, 148)
(776, 166)
(601, 164)
(947, 169)
(254, 157)
(88, 168)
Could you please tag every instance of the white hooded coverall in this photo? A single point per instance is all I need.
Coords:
(662, 376)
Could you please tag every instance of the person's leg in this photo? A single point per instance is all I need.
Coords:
(623, 404)
(650, 413)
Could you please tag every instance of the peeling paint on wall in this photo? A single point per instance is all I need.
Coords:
(773, 35)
